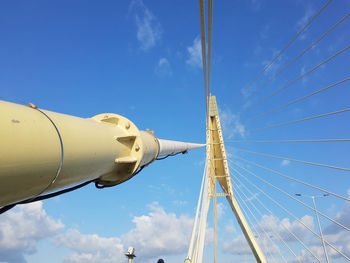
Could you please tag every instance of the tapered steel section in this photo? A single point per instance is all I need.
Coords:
(219, 171)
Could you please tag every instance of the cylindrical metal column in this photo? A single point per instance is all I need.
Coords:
(42, 151)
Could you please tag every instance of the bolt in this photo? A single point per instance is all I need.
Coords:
(32, 106)
(127, 126)
(137, 148)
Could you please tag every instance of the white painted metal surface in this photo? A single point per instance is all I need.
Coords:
(167, 147)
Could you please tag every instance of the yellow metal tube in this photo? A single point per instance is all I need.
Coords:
(42, 151)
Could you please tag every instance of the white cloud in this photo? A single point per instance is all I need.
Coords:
(341, 240)
(220, 209)
(163, 68)
(276, 66)
(303, 21)
(302, 72)
(159, 233)
(231, 124)
(273, 227)
(285, 162)
(336, 235)
(22, 229)
(180, 203)
(296, 228)
(148, 28)
(90, 248)
(342, 217)
(195, 54)
(155, 234)
(230, 227)
(238, 245)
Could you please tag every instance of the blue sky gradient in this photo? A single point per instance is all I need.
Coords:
(142, 60)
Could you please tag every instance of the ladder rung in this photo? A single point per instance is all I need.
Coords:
(221, 194)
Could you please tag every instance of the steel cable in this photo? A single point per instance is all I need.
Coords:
(290, 83)
(295, 199)
(252, 204)
(321, 140)
(291, 214)
(294, 160)
(287, 229)
(295, 59)
(280, 53)
(291, 178)
(295, 101)
(262, 204)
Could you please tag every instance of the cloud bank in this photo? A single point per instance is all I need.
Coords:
(22, 229)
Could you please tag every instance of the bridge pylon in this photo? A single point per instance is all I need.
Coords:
(217, 172)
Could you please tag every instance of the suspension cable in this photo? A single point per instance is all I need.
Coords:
(210, 33)
(204, 57)
(321, 140)
(300, 120)
(257, 224)
(195, 223)
(295, 59)
(290, 83)
(259, 235)
(291, 178)
(261, 215)
(294, 101)
(287, 229)
(295, 199)
(280, 53)
(249, 221)
(290, 213)
(294, 160)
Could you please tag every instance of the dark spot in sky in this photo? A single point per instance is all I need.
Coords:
(15, 121)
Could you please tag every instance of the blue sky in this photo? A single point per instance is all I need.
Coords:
(142, 59)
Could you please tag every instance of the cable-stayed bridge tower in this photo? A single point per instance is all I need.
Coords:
(217, 173)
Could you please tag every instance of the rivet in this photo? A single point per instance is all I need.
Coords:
(137, 148)
(127, 126)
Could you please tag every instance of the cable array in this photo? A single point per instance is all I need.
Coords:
(300, 202)
(295, 101)
(294, 60)
(257, 221)
(206, 66)
(294, 160)
(254, 208)
(292, 179)
(271, 213)
(282, 51)
(287, 211)
(295, 80)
